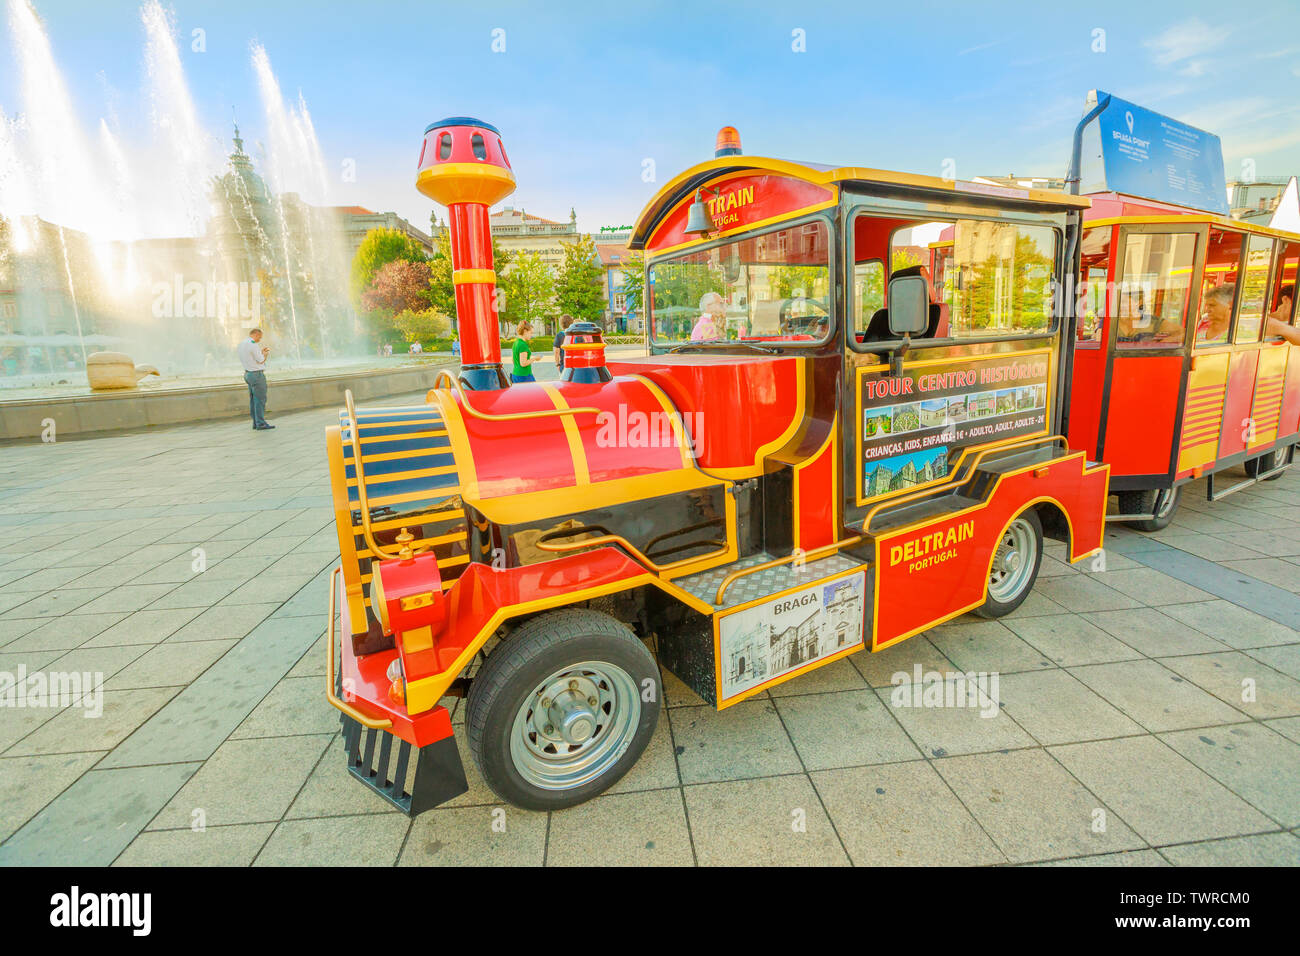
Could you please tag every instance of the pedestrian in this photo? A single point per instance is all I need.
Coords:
(565, 321)
(252, 355)
(523, 354)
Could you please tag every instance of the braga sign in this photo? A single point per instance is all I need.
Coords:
(1152, 156)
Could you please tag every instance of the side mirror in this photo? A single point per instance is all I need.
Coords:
(909, 305)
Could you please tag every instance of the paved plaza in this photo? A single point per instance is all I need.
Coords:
(1150, 712)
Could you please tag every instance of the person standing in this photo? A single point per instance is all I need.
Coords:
(523, 355)
(252, 355)
(558, 345)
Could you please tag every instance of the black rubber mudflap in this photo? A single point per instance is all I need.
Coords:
(439, 775)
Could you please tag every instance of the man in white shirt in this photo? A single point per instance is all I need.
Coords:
(252, 356)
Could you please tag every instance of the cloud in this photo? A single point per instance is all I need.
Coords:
(1185, 42)
(978, 46)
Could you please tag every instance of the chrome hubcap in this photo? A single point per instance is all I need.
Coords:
(1013, 562)
(575, 725)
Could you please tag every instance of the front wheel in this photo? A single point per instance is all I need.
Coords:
(1160, 502)
(562, 709)
(1015, 565)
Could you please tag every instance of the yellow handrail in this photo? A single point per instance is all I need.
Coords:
(777, 562)
(382, 723)
(508, 416)
(363, 499)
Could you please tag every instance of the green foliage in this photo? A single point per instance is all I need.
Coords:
(634, 281)
(423, 327)
(528, 290)
(379, 247)
(578, 286)
(676, 295)
(1005, 293)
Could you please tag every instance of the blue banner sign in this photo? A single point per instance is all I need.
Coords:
(1151, 156)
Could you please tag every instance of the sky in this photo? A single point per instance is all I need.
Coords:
(600, 103)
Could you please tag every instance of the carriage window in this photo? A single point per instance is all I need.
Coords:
(868, 291)
(1219, 286)
(1091, 302)
(1254, 288)
(1281, 302)
(774, 287)
(1154, 291)
(999, 279)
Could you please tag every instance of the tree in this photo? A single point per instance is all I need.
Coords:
(442, 291)
(634, 281)
(528, 288)
(578, 286)
(422, 326)
(379, 247)
(398, 285)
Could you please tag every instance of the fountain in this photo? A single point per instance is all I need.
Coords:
(165, 250)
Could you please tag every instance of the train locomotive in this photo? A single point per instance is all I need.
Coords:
(815, 458)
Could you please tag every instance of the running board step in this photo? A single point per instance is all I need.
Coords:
(438, 773)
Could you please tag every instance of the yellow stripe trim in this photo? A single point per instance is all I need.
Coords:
(581, 471)
(466, 276)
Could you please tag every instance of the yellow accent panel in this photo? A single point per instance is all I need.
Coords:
(514, 509)
(581, 470)
(349, 561)
(466, 276)
(1208, 371)
(828, 177)
(449, 183)
(459, 442)
(420, 639)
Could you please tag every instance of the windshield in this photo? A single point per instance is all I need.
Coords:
(773, 287)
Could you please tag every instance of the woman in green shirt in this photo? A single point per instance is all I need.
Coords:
(523, 355)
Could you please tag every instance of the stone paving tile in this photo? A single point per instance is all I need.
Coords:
(1186, 805)
(844, 729)
(75, 729)
(224, 624)
(127, 597)
(62, 633)
(975, 645)
(1125, 858)
(28, 783)
(244, 781)
(169, 665)
(1154, 696)
(1288, 727)
(143, 627)
(214, 846)
(1055, 708)
(1209, 547)
(1232, 625)
(1241, 681)
(880, 669)
(902, 814)
(1267, 849)
(657, 767)
(1277, 571)
(1084, 593)
(838, 675)
(745, 740)
(331, 791)
(1283, 658)
(1260, 766)
(1069, 640)
(294, 706)
(476, 836)
(365, 840)
(1152, 587)
(1032, 808)
(774, 821)
(943, 731)
(631, 829)
(1154, 634)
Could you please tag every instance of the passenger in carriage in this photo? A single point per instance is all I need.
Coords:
(1213, 327)
(712, 320)
(1279, 320)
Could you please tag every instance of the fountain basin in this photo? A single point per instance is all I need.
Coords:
(78, 411)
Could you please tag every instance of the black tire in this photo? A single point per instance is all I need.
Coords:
(999, 605)
(1255, 466)
(1143, 502)
(506, 692)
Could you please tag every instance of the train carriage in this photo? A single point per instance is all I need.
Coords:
(817, 457)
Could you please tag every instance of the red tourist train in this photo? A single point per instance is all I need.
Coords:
(817, 457)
